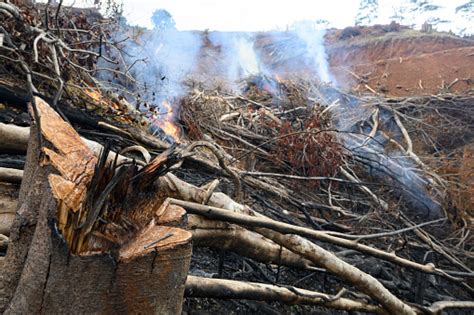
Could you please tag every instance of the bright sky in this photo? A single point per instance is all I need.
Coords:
(261, 15)
(243, 15)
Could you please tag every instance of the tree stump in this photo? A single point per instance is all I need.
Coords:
(89, 237)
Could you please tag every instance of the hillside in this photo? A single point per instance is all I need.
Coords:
(390, 59)
(402, 63)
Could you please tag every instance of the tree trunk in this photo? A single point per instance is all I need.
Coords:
(55, 267)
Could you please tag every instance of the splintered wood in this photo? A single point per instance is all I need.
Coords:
(76, 165)
(72, 159)
(97, 245)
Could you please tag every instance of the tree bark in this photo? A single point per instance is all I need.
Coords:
(144, 273)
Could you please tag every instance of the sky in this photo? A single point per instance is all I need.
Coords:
(243, 15)
(263, 15)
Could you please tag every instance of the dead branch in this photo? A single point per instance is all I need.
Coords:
(220, 157)
(13, 10)
(218, 234)
(13, 138)
(248, 218)
(437, 308)
(423, 235)
(230, 289)
(382, 203)
(383, 234)
(10, 175)
(316, 254)
(333, 264)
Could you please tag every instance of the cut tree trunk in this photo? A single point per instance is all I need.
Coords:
(53, 266)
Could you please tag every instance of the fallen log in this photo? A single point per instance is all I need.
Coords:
(3, 243)
(229, 289)
(10, 175)
(222, 235)
(55, 267)
(13, 138)
(317, 255)
(8, 204)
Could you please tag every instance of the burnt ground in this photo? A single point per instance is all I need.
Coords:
(403, 282)
(205, 262)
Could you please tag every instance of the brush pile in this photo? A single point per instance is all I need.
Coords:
(295, 192)
(369, 168)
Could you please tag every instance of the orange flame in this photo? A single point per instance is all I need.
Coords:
(95, 95)
(99, 100)
(167, 122)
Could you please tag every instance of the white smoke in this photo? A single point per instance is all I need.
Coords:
(247, 57)
(172, 56)
(312, 34)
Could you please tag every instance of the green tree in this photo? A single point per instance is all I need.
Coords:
(162, 20)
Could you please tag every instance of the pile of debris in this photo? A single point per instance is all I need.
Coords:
(291, 191)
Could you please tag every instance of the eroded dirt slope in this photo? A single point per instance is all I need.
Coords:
(402, 62)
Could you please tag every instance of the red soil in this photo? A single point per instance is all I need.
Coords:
(403, 63)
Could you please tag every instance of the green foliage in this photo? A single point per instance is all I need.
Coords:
(162, 20)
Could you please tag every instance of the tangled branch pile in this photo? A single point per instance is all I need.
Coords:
(357, 165)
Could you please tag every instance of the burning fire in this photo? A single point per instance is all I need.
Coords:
(99, 100)
(164, 120)
(95, 95)
(167, 122)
